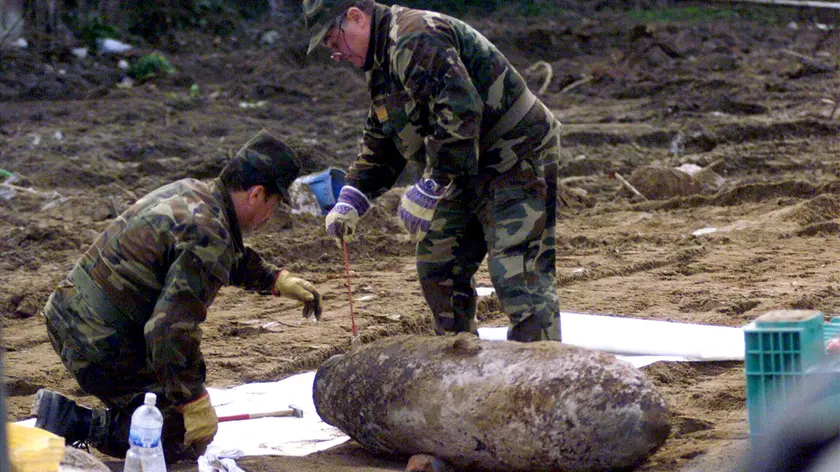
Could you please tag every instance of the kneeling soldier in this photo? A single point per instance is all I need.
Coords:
(127, 318)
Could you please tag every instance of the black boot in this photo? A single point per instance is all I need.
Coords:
(533, 329)
(62, 416)
(463, 309)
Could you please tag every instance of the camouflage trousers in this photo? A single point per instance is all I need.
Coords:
(510, 218)
(112, 368)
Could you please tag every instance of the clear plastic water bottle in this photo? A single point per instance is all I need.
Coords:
(145, 452)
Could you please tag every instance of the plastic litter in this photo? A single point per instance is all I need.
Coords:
(704, 231)
(259, 104)
(81, 53)
(8, 191)
(112, 46)
(216, 459)
(270, 37)
(145, 452)
(324, 185)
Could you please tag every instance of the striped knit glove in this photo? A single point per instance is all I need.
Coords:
(417, 207)
(342, 219)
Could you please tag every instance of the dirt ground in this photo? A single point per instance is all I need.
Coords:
(630, 93)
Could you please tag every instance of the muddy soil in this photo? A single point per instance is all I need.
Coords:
(714, 89)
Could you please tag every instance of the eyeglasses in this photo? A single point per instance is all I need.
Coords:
(338, 24)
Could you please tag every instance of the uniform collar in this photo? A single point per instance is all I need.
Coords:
(230, 212)
(380, 24)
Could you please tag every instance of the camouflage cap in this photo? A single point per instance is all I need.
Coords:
(320, 16)
(271, 157)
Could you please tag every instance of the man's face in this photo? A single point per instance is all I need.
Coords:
(261, 209)
(350, 37)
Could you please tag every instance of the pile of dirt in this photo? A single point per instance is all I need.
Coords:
(78, 460)
(572, 198)
(820, 209)
(53, 74)
(662, 183)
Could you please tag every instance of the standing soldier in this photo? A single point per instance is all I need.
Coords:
(126, 320)
(443, 95)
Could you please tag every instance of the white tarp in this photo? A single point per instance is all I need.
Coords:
(650, 340)
(287, 436)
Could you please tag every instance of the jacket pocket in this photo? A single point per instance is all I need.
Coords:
(392, 112)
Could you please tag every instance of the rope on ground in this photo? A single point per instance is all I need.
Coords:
(408, 324)
(549, 74)
(586, 79)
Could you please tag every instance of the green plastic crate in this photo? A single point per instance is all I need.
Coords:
(831, 329)
(781, 346)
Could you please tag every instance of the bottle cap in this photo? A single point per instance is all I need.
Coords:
(150, 398)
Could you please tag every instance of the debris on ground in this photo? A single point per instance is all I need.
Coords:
(662, 183)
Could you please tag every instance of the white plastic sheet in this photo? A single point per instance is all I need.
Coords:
(287, 436)
(643, 342)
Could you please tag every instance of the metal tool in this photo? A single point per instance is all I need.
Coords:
(291, 411)
(356, 340)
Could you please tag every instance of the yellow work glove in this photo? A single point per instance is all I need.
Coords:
(201, 423)
(342, 219)
(300, 290)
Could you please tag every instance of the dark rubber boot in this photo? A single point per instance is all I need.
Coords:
(463, 308)
(533, 329)
(62, 416)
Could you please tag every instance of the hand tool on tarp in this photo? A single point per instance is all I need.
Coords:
(291, 411)
(356, 340)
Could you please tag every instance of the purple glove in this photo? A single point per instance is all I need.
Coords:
(417, 207)
(341, 220)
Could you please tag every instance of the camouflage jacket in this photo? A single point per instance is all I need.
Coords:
(437, 87)
(160, 265)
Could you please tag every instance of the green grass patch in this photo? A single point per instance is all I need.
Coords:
(756, 13)
(538, 8)
(97, 29)
(150, 65)
(462, 7)
(768, 15)
(688, 14)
